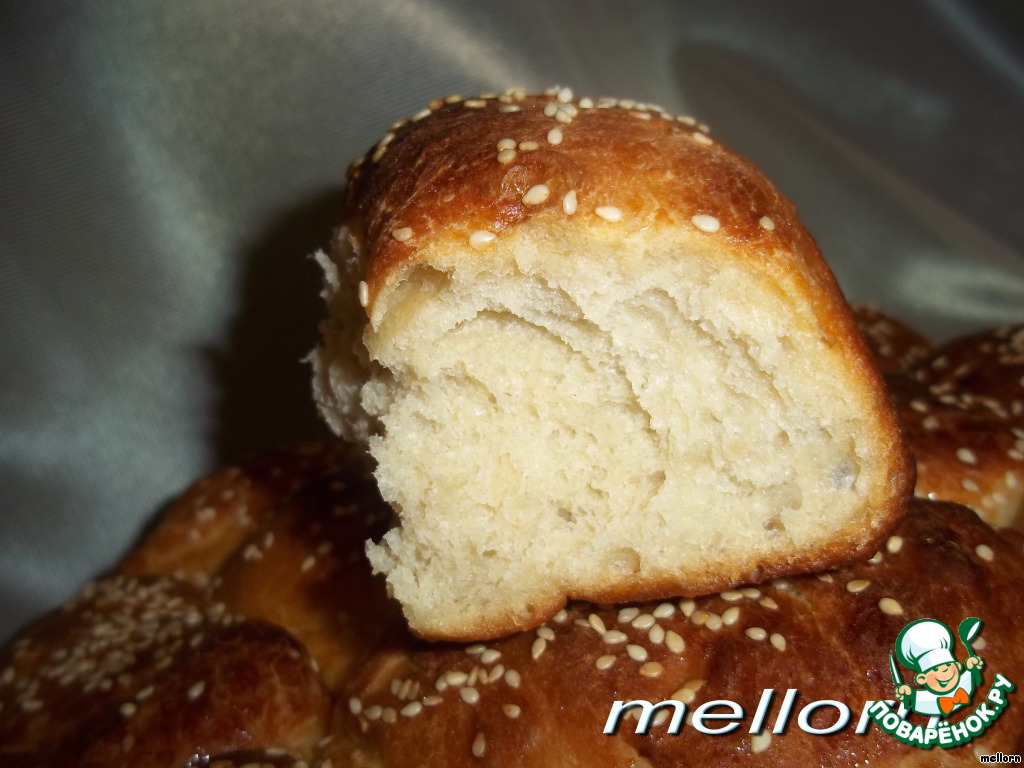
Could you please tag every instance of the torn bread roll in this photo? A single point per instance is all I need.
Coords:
(595, 355)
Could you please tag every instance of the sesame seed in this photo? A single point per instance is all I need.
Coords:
(454, 677)
(364, 293)
(614, 637)
(196, 691)
(512, 678)
(713, 622)
(555, 135)
(626, 615)
(469, 695)
(506, 156)
(561, 616)
(876, 558)
(759, 742)
(778, 641)
(604, 662)
(825, 577)
(479, 745)
(546, 632)
(411, 709)
(857, 585)
(355, 705)
(402, 234)
(506, 144)
(490, 656)
(609, 213)
(496, 673)
(507, 108)
(699, 617)
(687, 606)
(894, 544)
(756, 633)
(636, 652)
(969, 484)
(474, 103)
(452, 99)
(985, 552)
(537, 194)
(128, 709)
(432, 701)
(511, 711)
(651, 669)
(966, 455)
(674, 642)
(705, 222)
(889, 606)
(731, 595)
(481, 239)
(569, 202)
(597, 623)
(538, 647)
(656, 634)
(700, 138)
(766, 223)
(389, 715)
(664, 611)
(643, 621)
(586, 103)
(308, 563)
(689, 690)
(730, 615)
(564, 95)
(374, 712)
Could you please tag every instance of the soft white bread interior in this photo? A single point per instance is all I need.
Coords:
(595, 355)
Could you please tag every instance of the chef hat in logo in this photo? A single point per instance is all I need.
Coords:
(924, 644)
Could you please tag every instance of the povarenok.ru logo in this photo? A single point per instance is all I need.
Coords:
(941, 687)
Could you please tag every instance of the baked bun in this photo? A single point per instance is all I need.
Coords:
(145, 672)
(962, 409)
(543, 698)
(280, 538)
(597, 357)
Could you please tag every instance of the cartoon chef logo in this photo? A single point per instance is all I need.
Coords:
(944, 684)
(941, 686)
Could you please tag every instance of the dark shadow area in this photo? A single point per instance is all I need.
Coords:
(263, 385)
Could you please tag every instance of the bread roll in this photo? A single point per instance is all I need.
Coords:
(149, 672)
(962, 408)
(595, 355)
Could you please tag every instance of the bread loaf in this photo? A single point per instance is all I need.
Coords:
(595, 355)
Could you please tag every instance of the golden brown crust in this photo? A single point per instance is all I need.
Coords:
(148, 670)
(895, 346)
(962, 409)
(542, 698)
(201, 529)
(440, 177)
(306, 570)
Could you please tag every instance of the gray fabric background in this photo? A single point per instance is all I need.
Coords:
(166, 167)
